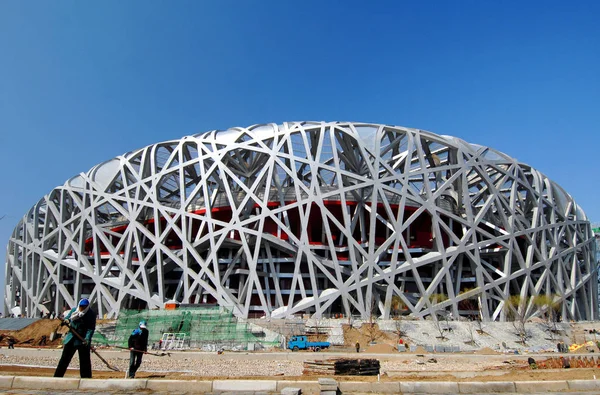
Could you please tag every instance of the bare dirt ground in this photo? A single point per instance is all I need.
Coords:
(510, 374)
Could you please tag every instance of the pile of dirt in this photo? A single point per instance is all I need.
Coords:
(367, 334)
(31, 335)
(381, 348)
(486, 351)
(420, 350)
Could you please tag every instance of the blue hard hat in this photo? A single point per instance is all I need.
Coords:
(84, 302)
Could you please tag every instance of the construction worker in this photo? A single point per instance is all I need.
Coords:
(138, 345)
(82, 320)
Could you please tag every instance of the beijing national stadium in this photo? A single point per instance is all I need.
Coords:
(307, 218)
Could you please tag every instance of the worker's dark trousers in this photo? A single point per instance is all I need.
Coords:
(85, 365)
(135, 360)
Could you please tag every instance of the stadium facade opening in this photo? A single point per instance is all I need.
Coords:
(327, 219)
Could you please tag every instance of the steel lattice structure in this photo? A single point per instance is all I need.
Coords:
(308, 217)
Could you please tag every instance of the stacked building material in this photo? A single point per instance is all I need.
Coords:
(343, 366)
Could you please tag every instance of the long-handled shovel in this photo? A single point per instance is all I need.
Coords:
(108, 365)
(162, 354)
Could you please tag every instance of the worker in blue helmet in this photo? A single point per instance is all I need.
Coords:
(81, 319)
(138, 346)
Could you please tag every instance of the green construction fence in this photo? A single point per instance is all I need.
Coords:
(207, 328)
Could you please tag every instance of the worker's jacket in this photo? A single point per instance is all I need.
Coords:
(85, 326)
(139, 339)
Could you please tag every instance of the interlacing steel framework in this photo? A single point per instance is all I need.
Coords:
(308, 217)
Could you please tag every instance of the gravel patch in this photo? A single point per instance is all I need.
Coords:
(222, 367)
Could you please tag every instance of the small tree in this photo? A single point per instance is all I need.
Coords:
(435, 299)
(516, 311)
(471, 328)
(372, 329)
(399, 328)
(473, 308)
(472, 305)
(549, 307)
(438, 325)
(479, 323)
(397, 306)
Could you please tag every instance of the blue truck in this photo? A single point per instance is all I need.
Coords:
(301, 343)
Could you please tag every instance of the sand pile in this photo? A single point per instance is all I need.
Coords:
(420, 350)
(365, 334)
(486, 351)
(381, 348)
(32, 334)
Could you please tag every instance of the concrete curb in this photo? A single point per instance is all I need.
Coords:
(32, 383)
(584, 385)
(6, 381)
(307, 387)
(429, 387)
(179, 385)
(112, 384)
(471, 387)
(527, 387)
(244, 385)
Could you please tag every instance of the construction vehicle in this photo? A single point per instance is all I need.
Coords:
(301, 343)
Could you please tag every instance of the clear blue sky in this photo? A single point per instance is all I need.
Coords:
(82, 82)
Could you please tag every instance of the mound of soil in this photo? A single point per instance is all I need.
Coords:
(420, 350)
(365, 335)
(31, 335)
(381, 348)
(486, 351)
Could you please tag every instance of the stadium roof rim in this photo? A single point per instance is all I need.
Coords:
(365, 130)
